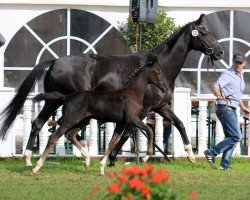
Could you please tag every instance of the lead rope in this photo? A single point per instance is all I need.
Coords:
(208, 77)
(227, 98)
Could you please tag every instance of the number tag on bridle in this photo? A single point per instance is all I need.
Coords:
(195, 33)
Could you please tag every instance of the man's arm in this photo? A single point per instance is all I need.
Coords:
(217, 93)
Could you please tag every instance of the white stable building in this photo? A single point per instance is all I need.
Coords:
(40, 30)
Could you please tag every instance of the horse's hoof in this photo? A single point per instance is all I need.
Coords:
(191, 159)
(102, 174)
(33, 172)
(86, 166)
(111, 165)
(145, 158)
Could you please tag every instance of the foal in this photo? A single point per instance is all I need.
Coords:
(124, 106)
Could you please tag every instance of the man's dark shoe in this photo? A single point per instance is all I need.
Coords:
(210, 159)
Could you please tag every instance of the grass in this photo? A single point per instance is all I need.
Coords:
(66, 178)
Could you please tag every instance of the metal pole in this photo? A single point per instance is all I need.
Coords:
(137, 147)
(138, 29)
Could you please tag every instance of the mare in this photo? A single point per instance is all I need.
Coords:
(123, 106)
(70, 74)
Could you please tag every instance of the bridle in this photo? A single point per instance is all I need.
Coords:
(196, 35)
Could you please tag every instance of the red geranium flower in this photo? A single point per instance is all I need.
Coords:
(148, 169)
(193, 195)
(126, 171)
(136, 183)
(157, 178)
(123, 179)
(114, 188)
(135, 170)
(164, 173)
(145, 191)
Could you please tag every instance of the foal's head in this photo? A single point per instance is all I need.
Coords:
(157, 78)
(204, 41)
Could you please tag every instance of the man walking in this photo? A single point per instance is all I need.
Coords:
(228, 90)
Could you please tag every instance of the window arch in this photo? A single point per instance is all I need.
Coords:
(55, 34)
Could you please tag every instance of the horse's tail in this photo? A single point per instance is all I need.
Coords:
(8, 115)
(51, 96)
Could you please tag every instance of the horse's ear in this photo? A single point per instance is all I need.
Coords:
(200, 20)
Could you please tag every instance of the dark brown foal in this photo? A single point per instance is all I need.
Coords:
(124, 107)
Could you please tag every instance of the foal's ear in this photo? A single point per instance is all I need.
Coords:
(200, 20)
(156, 70)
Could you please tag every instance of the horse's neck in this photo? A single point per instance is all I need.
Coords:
(138, 84)
(173, 52)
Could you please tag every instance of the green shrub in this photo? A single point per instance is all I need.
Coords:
(152, 34)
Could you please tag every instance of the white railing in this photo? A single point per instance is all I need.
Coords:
(182, 107)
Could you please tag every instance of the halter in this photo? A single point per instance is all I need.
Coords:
(195, 34)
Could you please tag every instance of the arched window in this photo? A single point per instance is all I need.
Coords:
(55, 34)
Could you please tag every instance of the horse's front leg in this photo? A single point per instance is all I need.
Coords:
(167, 113)
(138, 123)
(113, 142)
(128, 131)
(52, 140)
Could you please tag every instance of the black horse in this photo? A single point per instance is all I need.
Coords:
(101, 73)
(123, 106)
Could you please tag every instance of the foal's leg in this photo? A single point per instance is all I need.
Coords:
(52, 140)
(114, 140)
(128, 131)
(138, 123)
(167, 113)
(48, 109)
(84, 149)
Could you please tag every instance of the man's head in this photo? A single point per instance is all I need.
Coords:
(239, 61)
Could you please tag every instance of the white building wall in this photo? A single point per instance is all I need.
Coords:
(16, 13)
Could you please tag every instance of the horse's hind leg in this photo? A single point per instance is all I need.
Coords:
(114, 140)
(52, 140)
(83, 148)
(48, 109)
(167, 113)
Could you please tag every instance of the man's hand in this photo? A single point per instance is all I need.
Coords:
(221, 97)
(246, 111)
(244, 108)
(218, 93)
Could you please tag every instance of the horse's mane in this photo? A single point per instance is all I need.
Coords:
(149, 62)
(170, 38)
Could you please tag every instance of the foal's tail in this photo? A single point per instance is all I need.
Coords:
(51, 96)
(8, 115)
